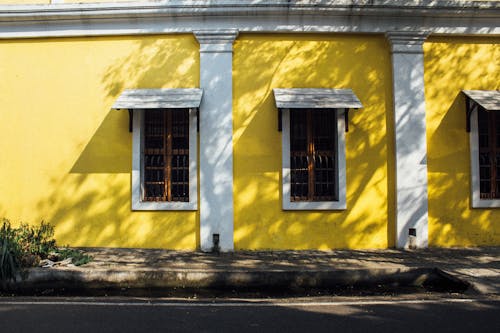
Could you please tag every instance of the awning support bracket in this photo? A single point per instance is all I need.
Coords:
(346, 118)
(468, 113)
(280, 124)
(469, 108)
(480, 101)
(130, 119)
(198, 120)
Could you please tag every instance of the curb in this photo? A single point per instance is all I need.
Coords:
(219, 280)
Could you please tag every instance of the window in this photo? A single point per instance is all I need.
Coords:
(313, 159)
(483, 123)
(164, 159)
(166, 155)
(489, 154)
(313, 124)
(313, 155)
(164, 147)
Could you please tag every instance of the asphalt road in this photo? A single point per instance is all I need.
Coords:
(347, 315)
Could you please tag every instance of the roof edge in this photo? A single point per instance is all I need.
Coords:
(192, 8)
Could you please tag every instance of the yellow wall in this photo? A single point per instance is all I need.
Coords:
(453, 64)
(87, 1)
(264, 62)
(99, 1)
(40, 2)
(24, 2)
(65, 156)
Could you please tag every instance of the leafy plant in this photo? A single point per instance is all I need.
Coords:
(36, 240)
(78, 257)
(26, 245)
(10, 253)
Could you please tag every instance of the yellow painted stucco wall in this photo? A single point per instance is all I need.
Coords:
(100, 1)
(65, 155)
(24, 2)
(264, 62)
(87, 1)
(46, 2)
(451, 65)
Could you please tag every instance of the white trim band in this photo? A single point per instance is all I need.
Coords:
(186, 16)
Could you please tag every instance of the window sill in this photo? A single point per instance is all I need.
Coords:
(314, 205)
(163, 206)
(485, 203)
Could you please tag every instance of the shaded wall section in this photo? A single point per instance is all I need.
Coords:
(264, 62)
(451, 65)
(66, 157)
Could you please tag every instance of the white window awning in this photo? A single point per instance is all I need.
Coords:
(488, 100)
(159, 99)
(316, 98)
(168, 98)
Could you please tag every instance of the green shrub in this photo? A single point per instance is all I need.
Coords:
(10, 253)
(27, 245)
(38, 240)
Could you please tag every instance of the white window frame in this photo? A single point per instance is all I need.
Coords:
(339, 204)
(138, 167)
(476, 200)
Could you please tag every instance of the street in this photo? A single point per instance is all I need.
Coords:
(262, 315)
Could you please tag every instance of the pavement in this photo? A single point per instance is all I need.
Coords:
(470, 270)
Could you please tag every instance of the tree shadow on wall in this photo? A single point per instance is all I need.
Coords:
(167, 61)
(451, 67)
(310, 61)
(90, 204)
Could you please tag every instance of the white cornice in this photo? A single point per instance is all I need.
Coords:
(216, 40)
(184, 16)
(406, 42)
(171, 8)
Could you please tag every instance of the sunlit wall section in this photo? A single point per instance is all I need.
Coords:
(24, 2)
(99, 1)
(264, 62)
(66, 156)
(45, 2)
(451, 65)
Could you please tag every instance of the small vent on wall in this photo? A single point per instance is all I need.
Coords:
(216, 242)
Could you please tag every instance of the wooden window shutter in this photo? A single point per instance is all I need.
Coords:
(489, 154)
(166, 155)
(313, 135)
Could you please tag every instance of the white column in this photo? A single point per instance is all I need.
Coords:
(216, 138)
(410, 136)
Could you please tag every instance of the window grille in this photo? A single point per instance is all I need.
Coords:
(489, 154)
(313, 134)
(166, 155)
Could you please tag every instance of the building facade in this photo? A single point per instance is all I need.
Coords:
(265, 124)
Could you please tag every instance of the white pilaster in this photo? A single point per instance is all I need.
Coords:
(410, 136)
(216, 138)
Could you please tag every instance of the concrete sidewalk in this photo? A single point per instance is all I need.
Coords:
(114, 268)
